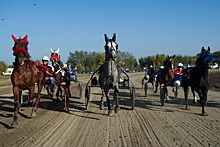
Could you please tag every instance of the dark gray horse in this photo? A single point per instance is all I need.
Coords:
(109, 74)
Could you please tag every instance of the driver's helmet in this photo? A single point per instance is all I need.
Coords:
(180, 65)
(161, 67)
(45, 58)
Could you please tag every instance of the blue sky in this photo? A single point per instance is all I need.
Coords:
(142, 27)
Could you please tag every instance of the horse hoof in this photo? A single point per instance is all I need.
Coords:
(101, 106)
(109, 112)
(199, 101)
(194, 102)
(14, 124)
(187, 108)
(33, 114)
(117, 109)
(204, 114)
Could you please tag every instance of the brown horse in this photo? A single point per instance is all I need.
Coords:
(166, 74)
(24, 77)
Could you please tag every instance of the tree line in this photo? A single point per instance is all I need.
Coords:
(90, 61)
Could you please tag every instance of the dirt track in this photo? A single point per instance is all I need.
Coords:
(148, 125)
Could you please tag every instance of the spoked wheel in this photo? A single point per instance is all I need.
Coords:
(66, 98)
(80, 89)
(162, 96)
(132, 95)
(87, 97)
(176, 92)
(145, 88)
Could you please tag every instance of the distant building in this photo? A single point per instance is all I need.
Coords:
(8, 71)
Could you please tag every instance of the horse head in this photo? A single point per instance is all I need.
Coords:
(170, 62)
(20, 49)
(54, 57)
(205, 57)
(111, 47)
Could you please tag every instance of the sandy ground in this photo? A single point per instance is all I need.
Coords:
(149, 124)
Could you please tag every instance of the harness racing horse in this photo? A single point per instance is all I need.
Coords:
(166, 74)
(24, 77)
(199, 78)
(150, 74)
(62, 75)
(109, 74)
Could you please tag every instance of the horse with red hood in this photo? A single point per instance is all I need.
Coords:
(24, 77)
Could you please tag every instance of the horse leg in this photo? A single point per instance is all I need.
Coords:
(142, 82)
(186, 90)
(68, 87)
(37, 101)
(194, 96)
(20, 100)
(156, 86)
(58, 93)
(166, 91)
(32, 101)
(116, 91)
(101, 105)
(204, 99)
(108, 101)
(17, 94)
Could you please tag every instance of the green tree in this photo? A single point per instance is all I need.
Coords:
(3, 66)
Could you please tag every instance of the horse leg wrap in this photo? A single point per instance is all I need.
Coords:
(16, 102)
(37, 101)
(16, 114)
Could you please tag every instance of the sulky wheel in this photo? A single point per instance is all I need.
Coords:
(80, 89)
(87, 97)
(162, 96)
(145, 88)
(66, 97)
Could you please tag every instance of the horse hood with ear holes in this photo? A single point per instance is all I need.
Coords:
(55, 55)
(16, 50)
(53, 51)
(22, 40)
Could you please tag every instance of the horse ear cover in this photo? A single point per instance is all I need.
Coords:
(25, 38)
(14, 38)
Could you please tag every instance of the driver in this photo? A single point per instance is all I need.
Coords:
(49, 79)
(176, 74)
(71, 72)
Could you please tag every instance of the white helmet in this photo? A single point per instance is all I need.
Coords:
(45, 58)
(180, 65)
(161, 67)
